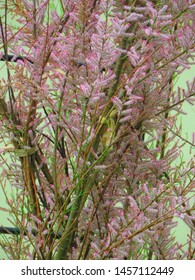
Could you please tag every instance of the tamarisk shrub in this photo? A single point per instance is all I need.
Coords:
(88, 128)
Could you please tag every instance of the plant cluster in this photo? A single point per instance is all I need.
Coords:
(89, 137)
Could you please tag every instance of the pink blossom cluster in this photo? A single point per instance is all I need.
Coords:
(92, 109)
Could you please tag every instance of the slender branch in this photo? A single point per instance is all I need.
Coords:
(13, 58)
(17, 231)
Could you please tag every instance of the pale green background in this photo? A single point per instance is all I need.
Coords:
(187, 129)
